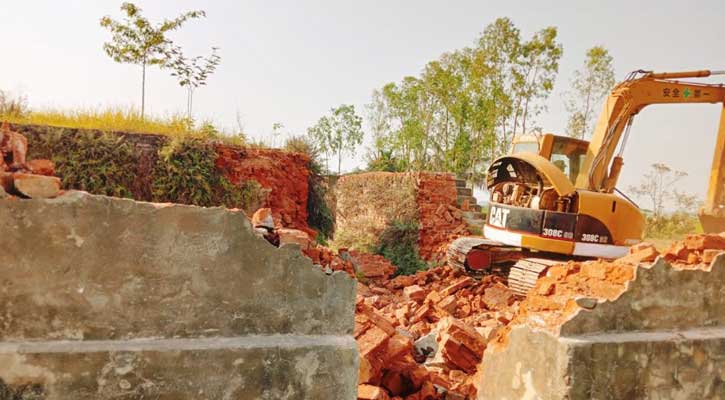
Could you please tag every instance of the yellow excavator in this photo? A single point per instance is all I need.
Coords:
(555, 197)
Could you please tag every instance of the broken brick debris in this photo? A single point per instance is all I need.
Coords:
(441, 221)
(18, 176)
(432, 348)
(371, 266)
(461, 345)
(572, 286)
(321, 256)
(695, 251)
(295, 236)
(440, 305)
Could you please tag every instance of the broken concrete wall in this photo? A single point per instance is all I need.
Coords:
(110, 298)
(663, 338)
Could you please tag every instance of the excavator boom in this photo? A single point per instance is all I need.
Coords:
(600, 168)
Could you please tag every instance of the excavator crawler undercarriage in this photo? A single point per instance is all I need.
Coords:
(520, 267)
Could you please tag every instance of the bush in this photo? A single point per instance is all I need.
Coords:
(399, 244)
(98, 163)
(671, 226)
(319, 215)
(185, 173)
(12, 106)
(385, 161)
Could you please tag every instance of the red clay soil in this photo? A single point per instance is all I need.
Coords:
(440, 220)
(284, 173)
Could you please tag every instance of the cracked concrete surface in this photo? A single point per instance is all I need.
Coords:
(112, 298)
(663, 338)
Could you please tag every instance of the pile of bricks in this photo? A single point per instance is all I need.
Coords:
(371, 266)
(695, 250)
(570, 287)
(422, 336)
(440, 220)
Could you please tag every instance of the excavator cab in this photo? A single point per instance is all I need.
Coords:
(566, 153)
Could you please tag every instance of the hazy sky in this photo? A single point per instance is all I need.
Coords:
(290, 61)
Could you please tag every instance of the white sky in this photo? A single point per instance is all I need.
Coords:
(290, 61)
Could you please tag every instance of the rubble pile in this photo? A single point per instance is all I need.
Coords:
(284, 174)
(440, 220)
(265, 226)
(575, 285)
(422, 336)
(22, 177)
(371, 266)
(568, 287)
(695, 251)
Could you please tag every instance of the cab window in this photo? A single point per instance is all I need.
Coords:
(568, 155)
(530, 147)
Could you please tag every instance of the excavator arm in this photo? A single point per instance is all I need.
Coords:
(600, 169)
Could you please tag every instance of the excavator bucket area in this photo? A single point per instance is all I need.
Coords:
(711, 222)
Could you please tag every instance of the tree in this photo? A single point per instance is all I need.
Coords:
(590, 84)
(534, 76)
(337, 133)
(136, 41)
(658, 187)
(464, 109)
(276, 132)
(193, 72)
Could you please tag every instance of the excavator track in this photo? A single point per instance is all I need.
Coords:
(466, 252)
(524, 274)
(459, 249)
(514, 264)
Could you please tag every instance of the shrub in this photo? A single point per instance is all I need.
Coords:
(98, 163)
(319, 215)
(671, 226)
(185, 173)
(12, 106)
(399, 244)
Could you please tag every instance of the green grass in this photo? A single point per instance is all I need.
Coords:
(118, 119)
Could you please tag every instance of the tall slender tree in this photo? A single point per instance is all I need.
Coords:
(137, 41)
(338, 133)
(658, 186)
(193, 73)
(588, 87)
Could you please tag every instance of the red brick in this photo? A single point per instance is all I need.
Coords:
(370, 392)
(457, 285)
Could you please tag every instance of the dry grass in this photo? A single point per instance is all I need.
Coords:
(122, 120)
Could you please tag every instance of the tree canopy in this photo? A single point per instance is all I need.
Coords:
(464, 108)
(337, 133)
(590, 85)
(135, 40)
